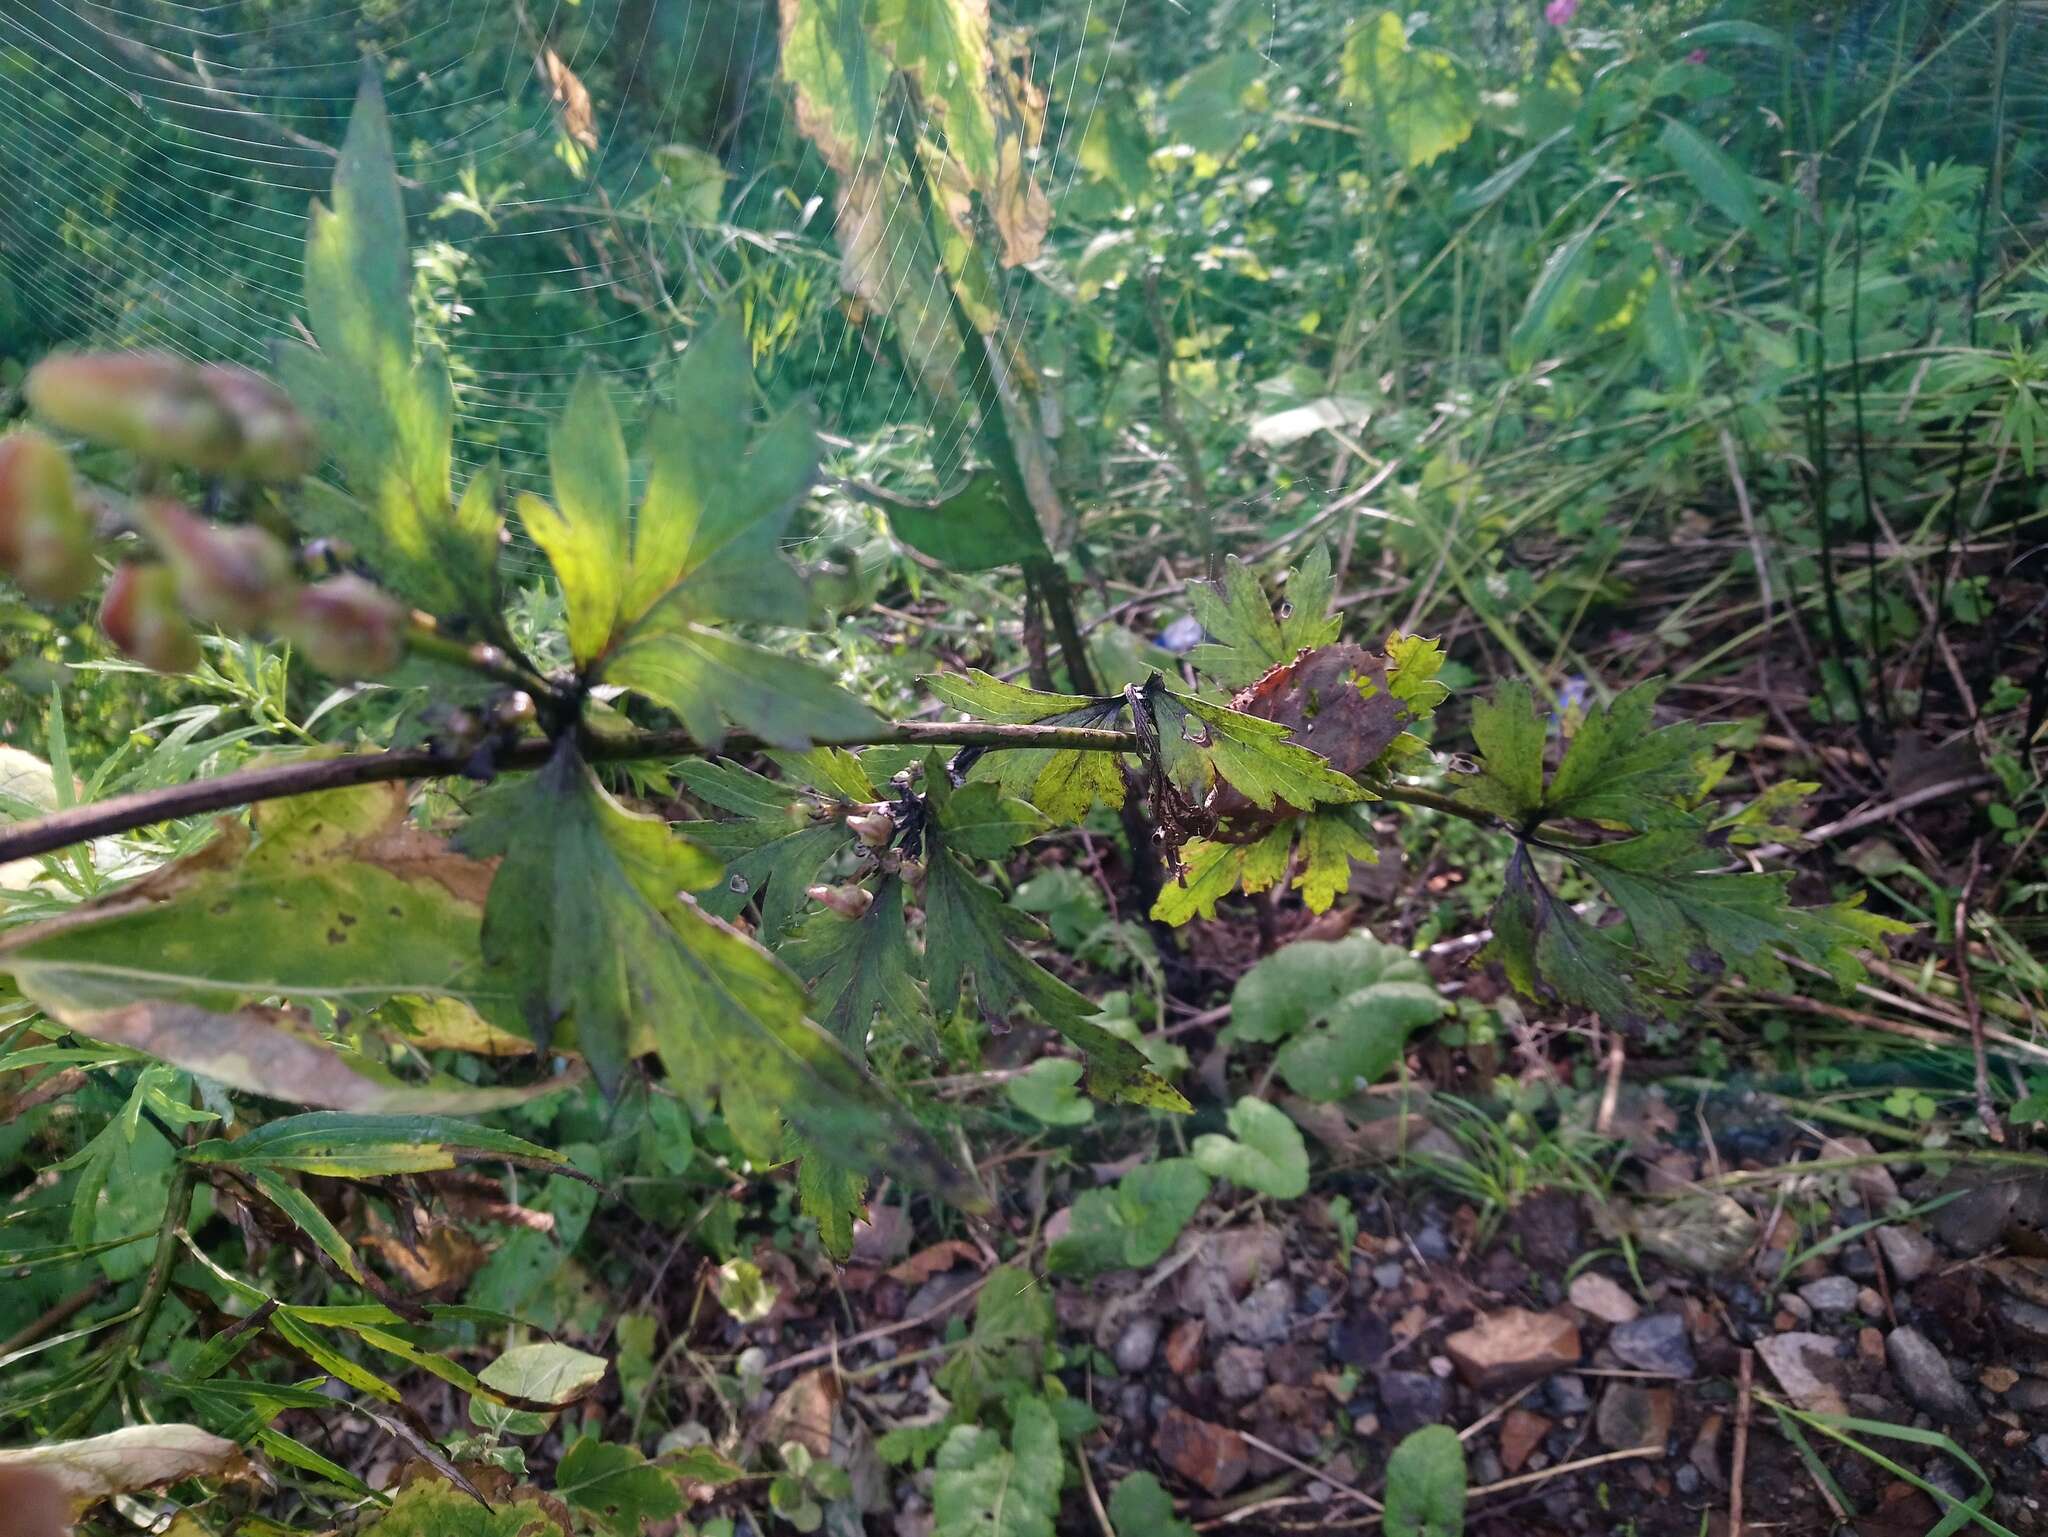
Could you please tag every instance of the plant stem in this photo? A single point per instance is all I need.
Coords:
(178, 1202)
(422, 638)
(304, 776)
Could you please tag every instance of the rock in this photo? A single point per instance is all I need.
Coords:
(1797, 1306)
(1131, 1402)
(1549, 1227)
(1707, 1235)
(1858, 1264)
(1705, 1457)
(1807, 1367)
(1521, 1432)
(1240, 1372)
(2028, 1319)
(1923, 1375)
(1411, 1400)
(1870, 1345)
(1266, 1315)
(1870, 1302)
(1655, 1344)
(1360, 1338)
(1567, 1393)
(1998, 1379)
(1873, 1182)
(1134, 1347)
(1508, 1348)
(1433, 1243)
(2029, 1395)
(1632, 1415)
(1592, 1292)
(2039, 1447)
(1184, 1346)
(1910, 1253)
(1389, 1275)
(1978, 1218)
(1212, 1456)
(1687, 1478)
(1831, 1294)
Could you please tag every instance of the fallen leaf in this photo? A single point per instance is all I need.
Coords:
(571, 97)
(123, 1461)
(926, 1263)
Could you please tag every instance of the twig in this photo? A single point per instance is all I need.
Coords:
(52, 1317)
(1094, 1498)
(301, 776)
(832, 1347)
(1316, 1473)
(1745, 1380)
(1183, 441)
(1986, 1111)
(177, 1202)
(1883, 811)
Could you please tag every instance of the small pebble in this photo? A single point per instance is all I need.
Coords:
(2039, 1447)
(1441, 1365)
(1910, 1253)
(1797, 1306)
(1433, 1244)
(1831, 1294)
(1688, 1478)
(1388, 1276)
(1567, 1393)
(1135, 1345)
(1870, 1302)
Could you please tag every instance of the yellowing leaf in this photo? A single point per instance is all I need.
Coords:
(1417, 99)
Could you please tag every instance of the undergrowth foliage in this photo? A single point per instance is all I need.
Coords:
(837, 901)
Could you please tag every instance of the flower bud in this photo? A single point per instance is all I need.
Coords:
(140, 615)
(513, 710)
(150, 403)
(874, 830)
(45, 536)
(234, 577)
(848, 901)
(346, 627)
(277, 442)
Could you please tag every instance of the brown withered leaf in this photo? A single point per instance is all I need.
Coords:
(926, 1263)
(274, 1052)
(124, 1461)
(1318, 698)
(570, 95)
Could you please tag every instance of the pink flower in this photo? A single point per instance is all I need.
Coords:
(1697, 56)
(1559, 12)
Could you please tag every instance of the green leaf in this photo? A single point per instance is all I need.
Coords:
(429, 1507)
(708, 678)
(1131, 1224)
(1048, 1091)
(385, 415)
(977, 528)
(1472, 200)
(1264, 1151)
(1199, 743)
(970, 933)
(1564, 272)
(1215, 105)
(860, 970)
(833, 1196)
(1013, 1323)
(1544, 946)
(1418, 101)
(1734, 34)
(773, 849)
(1724, 184)
(1064, 784)
(1247, 639)
(1426, 1485)
(615, 1488)
(1510, 737)
(1622, 767)
(585, 533)
(1210, 871)
(590, 916)
(1341, 1011)
(546, 1373)
(983, 1489)
(1330, 840)
(1139, 1506)
(708, 541)
(334, 897)
(344, 1146)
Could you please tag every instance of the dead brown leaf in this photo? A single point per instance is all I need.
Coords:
(928, 1262)
(571, 97)
(123, 1462)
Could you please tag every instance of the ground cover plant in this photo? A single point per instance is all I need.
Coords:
(996, 770)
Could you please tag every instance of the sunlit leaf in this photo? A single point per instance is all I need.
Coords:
(385, 413)
(1132, 1223)
(1264, 1151)
(1418, 100)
